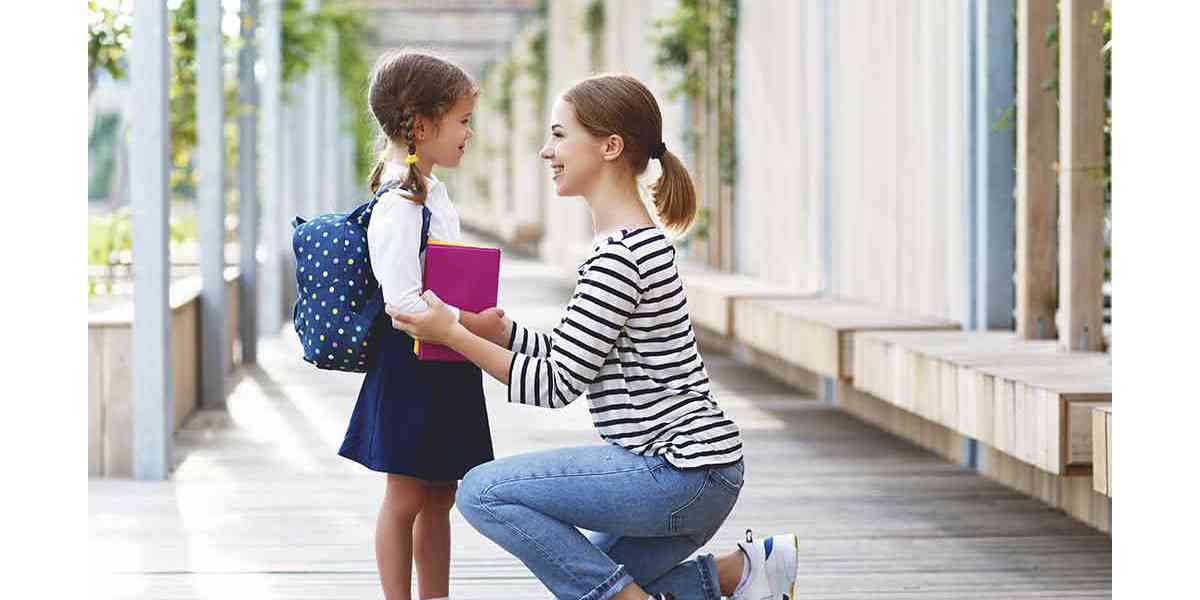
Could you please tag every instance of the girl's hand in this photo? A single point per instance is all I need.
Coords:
(433, 325)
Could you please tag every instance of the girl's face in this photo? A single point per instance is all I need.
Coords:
(445, 144)
(575, 156)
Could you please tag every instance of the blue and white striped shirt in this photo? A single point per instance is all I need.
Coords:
(626, 340)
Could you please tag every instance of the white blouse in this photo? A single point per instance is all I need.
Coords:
(394, 238)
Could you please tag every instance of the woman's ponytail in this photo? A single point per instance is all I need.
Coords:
(674, 195)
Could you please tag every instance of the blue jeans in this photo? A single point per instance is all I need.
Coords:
(648, 517)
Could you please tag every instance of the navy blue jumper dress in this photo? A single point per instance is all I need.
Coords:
(424, 419)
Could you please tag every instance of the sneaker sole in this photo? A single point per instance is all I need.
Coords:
(796, 573)
(781, 542)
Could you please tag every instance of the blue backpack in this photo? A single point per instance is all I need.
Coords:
(338, 297)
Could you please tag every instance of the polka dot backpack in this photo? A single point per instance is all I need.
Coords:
(338, 297)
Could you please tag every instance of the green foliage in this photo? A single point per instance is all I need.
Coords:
(103, 144)
(108, 35)
(593, 17)
(506, 72)
(336, 34)
(686, 45)
(110, 240)
(728, 13)
(679, 36)
(593, 26)
(538, 67)
(303, 40)
(108, 235)
(352, 69)
(181, 117)
(1051, 85)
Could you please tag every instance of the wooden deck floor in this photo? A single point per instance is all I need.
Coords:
(261, 507)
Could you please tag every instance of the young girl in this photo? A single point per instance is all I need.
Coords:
(422, 423)
(672, 468)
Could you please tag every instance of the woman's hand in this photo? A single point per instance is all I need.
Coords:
(433, 325)
(490, 325)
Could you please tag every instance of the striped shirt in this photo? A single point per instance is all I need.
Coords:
(626, 340)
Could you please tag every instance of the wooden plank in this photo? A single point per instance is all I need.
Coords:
(1081, 181)
(1100, 448)
(817, 333)
(95, 401)
(116, 390)
(1021, 397)
(1071, 494)
(1108, 446)
(185, 361)
(1080, 440)
(1037, 152)
(711, 295)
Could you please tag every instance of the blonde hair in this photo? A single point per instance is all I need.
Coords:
(619, 104)
(406, 85)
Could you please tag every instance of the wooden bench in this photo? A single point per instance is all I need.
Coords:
(817, 332)
(1102, 449)
(711, 295)
(1024, 398)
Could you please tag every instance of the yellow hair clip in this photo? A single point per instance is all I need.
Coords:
(410, 160)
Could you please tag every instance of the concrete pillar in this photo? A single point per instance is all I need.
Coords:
(149, 171)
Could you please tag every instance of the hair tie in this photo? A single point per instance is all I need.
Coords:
(658, 151)
(410, 160)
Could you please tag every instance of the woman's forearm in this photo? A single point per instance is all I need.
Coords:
(493, 359)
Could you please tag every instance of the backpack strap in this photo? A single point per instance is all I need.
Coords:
(426, 216)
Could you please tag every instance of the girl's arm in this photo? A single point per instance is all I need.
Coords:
(605, 299)
(394, 244)
(438, 325)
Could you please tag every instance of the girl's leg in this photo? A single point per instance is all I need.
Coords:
(402, 502)
(431, 541)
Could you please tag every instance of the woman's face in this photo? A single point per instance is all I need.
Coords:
(446, 144)
(574, 155)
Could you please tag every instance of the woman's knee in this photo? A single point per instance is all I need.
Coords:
(471, 490)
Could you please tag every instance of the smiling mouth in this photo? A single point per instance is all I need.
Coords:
(557, 170)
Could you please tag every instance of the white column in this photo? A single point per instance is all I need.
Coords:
(331, 149)
(149, 166)
(270, 309)
(248, 185)
(312, 144)
(210, 202)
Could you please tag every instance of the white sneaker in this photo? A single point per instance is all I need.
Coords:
(772, 567)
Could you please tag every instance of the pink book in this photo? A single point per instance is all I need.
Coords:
(465, 276)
